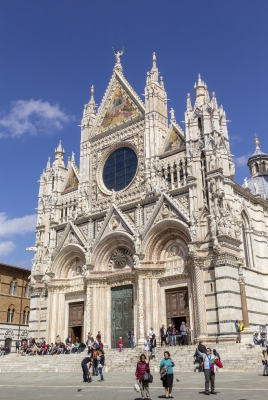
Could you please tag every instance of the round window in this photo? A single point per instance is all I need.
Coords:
(120, 168)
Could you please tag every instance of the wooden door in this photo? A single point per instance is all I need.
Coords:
(177, 304)
(76, 320)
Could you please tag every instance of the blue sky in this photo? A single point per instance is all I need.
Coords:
(53, 51)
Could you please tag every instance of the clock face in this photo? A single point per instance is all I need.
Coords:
(120, 169)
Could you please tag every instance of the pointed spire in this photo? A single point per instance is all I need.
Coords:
(154, 60)
(172, 116)
(48, 163)
(154, 70)
(69, 162)
(59, 153)
(188, 102)
(162, 82)
(214, 100)
(59, 149)
(73, 159)
(91, 105)
(200, 91)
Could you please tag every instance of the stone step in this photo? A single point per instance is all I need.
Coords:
(234, 357)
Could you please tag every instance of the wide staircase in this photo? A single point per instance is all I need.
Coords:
(235, 357)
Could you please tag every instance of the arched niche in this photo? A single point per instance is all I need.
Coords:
(167, 237)
(67, 261)
(105, 252)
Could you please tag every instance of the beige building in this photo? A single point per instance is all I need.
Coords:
(151, 228)
(14, 304)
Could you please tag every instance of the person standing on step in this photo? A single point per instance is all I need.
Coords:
(153, 347)
(129, 339)
(169, 332)
(133, 344)
(183, 333)
(101, 360)
(168, 378)
(120, 343)
(163, 334)
(141, 368)
(264, 363)
(86, 364)
(147, 345)
(208, 360)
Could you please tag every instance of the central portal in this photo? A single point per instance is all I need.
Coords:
(122, 318)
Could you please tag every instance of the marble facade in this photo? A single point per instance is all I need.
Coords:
(182, 222)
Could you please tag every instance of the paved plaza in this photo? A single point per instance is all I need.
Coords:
(119, 386)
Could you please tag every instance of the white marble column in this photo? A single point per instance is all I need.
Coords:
(140, 310)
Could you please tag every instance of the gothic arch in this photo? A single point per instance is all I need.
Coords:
(108, 245)
(71, 255)
(161, 237)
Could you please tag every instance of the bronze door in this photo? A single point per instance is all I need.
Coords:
(177, 306)
(122, 314)
(76, 321)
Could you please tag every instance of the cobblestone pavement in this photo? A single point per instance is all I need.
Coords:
(119, 386)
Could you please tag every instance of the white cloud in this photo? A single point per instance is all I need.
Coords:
(242, 160)
(6, 248)
(15, 226)
(32, 117)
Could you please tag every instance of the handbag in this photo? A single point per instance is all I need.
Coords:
(147, 377)
(218, 363)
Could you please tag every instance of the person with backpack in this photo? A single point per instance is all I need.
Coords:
(86, 364)
(208, 361)
(167, 378)
(142, 368)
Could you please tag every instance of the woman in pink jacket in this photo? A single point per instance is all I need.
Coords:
(142, 367)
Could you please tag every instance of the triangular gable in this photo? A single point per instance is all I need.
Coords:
(120, 105)
(72, 180)
(114, 221)
(166, 208)
(71, 235)
(175, 139)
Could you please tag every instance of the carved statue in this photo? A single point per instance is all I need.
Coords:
(148, 185)
(114, 223)
(213, 186)
(71, 237)
(118, 55)
(232, 168)
(40, 219)
(212, 161)
(136, 261)
(192, 230)
(213, 226)
(165, 211)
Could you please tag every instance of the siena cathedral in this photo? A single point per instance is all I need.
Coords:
(151, 228)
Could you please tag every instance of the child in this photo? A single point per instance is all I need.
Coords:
(120, 342)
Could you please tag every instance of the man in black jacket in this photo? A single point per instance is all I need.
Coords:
(85, 364)
(163, 333)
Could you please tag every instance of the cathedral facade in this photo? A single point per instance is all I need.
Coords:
(151, 229)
